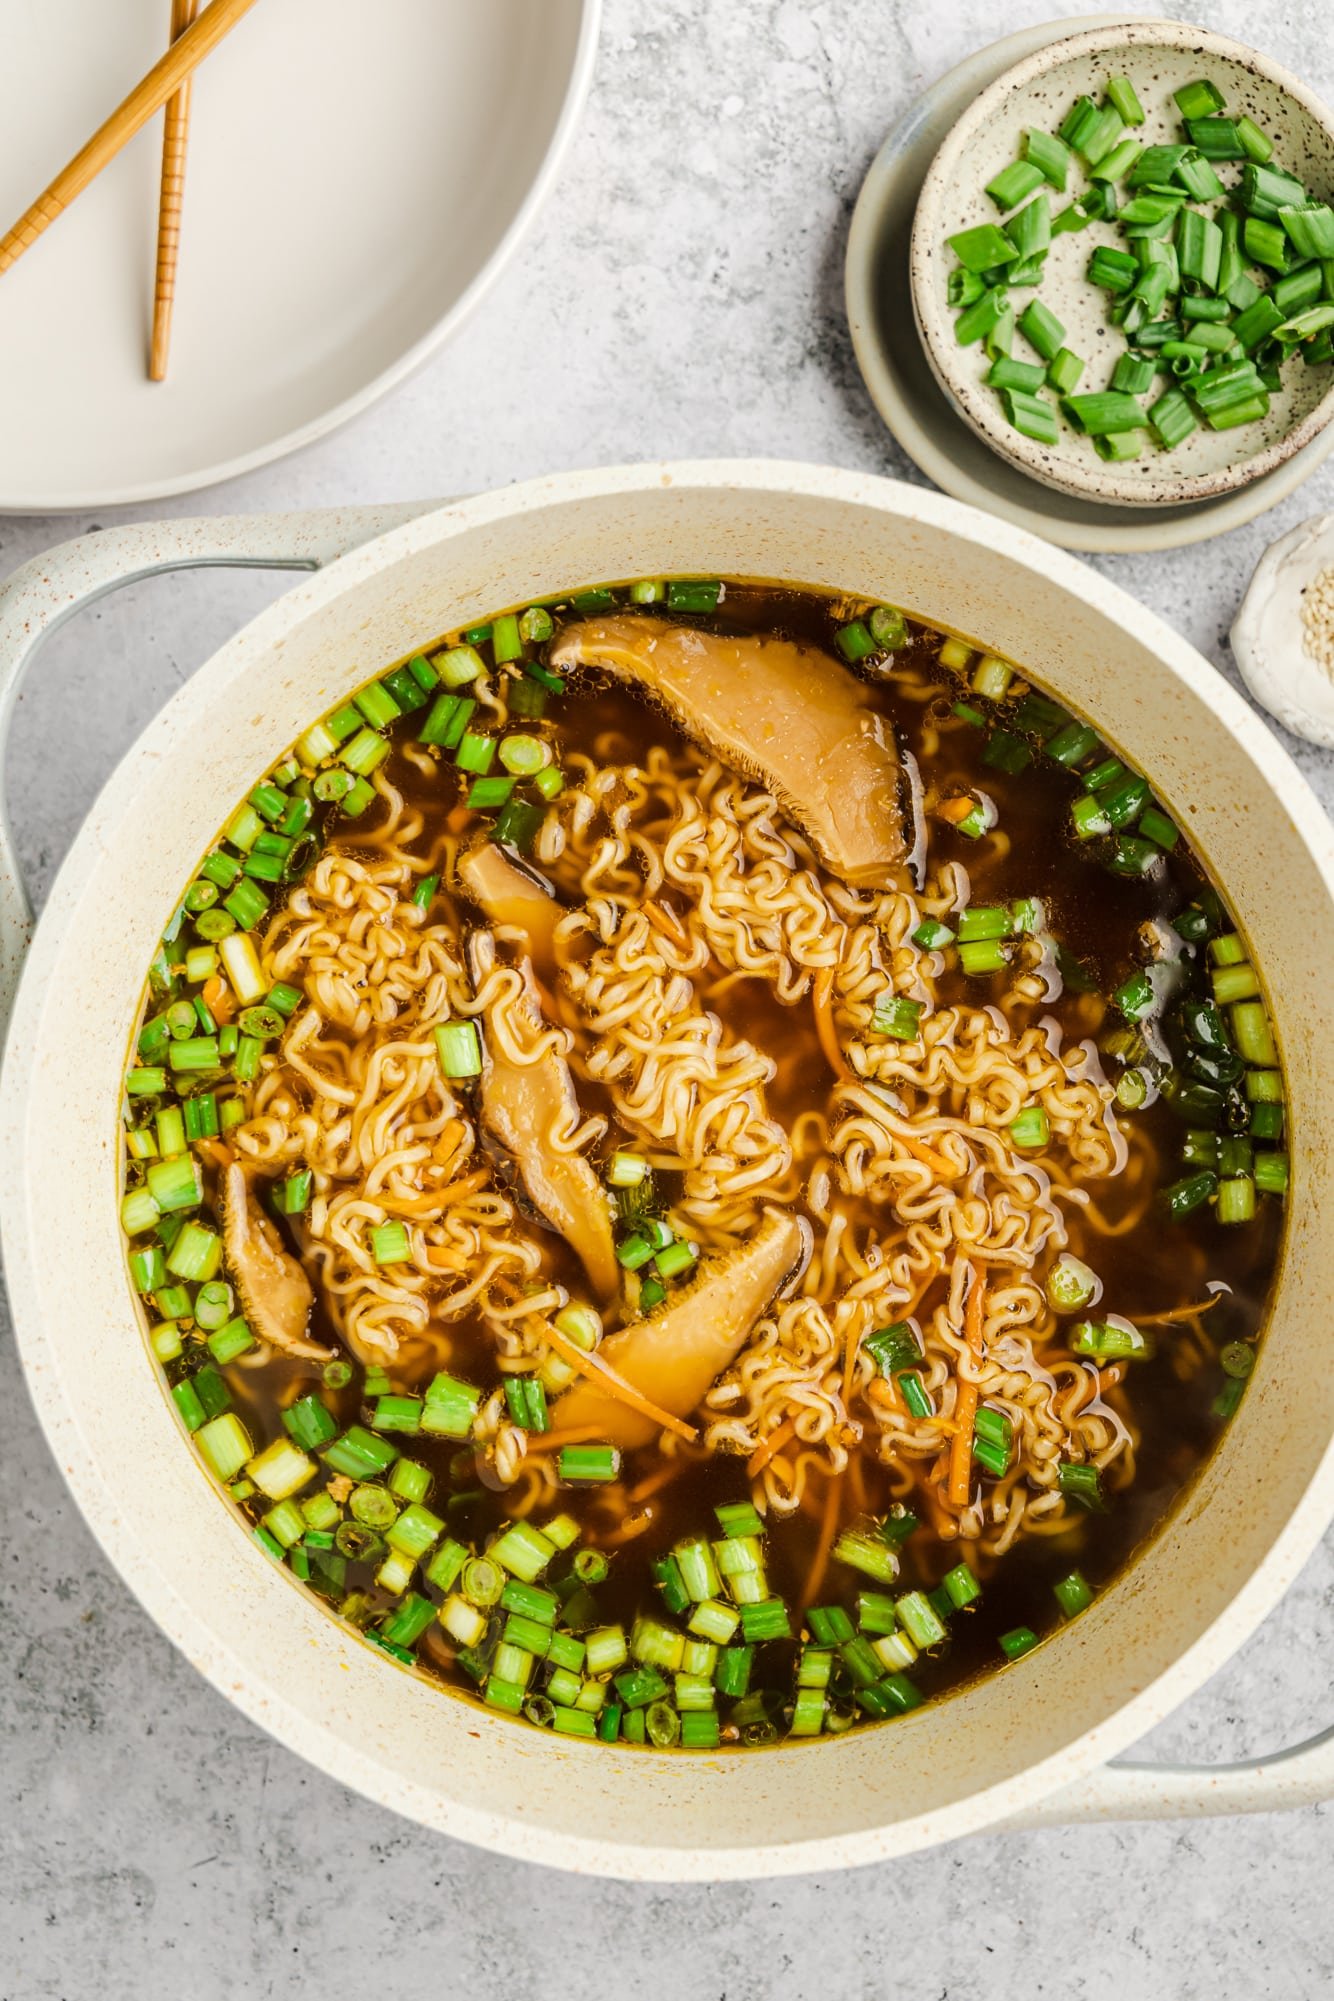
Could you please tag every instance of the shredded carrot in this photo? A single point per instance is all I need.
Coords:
(653, 1483)
(829, 1514)
(457, 818)
(219, 998)
(615, 1385)
(822, 998)
(664, 919)
(919, 1150)
(767, 1447)
(957, 809)
(627, 1530)
(965, 1402)
(555, 1441)
(1182, 1313)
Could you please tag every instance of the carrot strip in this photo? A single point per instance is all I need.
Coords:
(810, 1590)
(822, 999)
(1182, 1313)
(219, 998)
(628, 1529)
(919, 1150)
(957, 809)
(665, 920)
(615, 1384)
(653, 1483)
(767, 1447)
(554, 1441)
(965, 1402)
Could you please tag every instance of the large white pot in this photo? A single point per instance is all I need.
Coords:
(1025, 1745)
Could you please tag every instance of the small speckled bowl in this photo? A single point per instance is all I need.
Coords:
(1158, 57)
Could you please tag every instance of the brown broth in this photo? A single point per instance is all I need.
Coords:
(1153, 1269)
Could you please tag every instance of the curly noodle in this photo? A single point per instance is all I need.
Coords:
(684, 891)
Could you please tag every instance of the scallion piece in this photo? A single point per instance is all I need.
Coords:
(1258, 146)
(988, 955)
(1102, 413)
(1032, 416)
(896, 1017)
(984, 247)
(1064, 370)
(1172, 419)
(1031, 1129)
(1109, 1340)
(867, 1553)
(1049, 154)
(1121, 93)
(588, 1464)
(1012, 185)
(981, 319)
(1073, 1593)
(460, 1049)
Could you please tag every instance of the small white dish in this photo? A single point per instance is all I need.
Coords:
(905, 391)
(1158, 57)
(357, 177)
(1270, 633)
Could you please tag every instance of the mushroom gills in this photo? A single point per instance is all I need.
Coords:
(775, 710)
(528, 1110)
(275, 1294)
(675, 1355)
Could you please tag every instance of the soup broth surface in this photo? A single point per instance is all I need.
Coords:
(1035, 1252)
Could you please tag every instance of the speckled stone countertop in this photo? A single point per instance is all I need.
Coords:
(681, 295)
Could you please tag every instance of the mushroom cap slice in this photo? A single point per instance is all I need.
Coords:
(777, 711)
(273, 1289)
(510, 894)
(675, 1355)
(529, 1109)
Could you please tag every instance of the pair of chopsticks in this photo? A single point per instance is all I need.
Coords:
(194, 36)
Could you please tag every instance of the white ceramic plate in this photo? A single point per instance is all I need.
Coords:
(904, 388)
(357, 175)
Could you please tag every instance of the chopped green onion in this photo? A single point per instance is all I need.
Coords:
(1072, 1594)
(1030, 1128)
(1103, 413)
(932, 936)
(1083, 1485)
(1121, 93)
(580, 1464)
(896, 1017)
(1012, 185)
(982, 248)
(1109, 1340)
(459, 1049)
(1071, 1285)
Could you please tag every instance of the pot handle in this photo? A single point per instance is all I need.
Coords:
(45, 592)
(1301, 1776)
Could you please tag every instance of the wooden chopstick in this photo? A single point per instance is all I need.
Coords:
(175, 136)
(148, 96)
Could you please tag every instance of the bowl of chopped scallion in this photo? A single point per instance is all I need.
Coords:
(1123, 264)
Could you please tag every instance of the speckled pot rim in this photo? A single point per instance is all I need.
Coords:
(273, 1693)
(1100, 481)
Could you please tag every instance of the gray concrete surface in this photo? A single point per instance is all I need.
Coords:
(681, 294)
